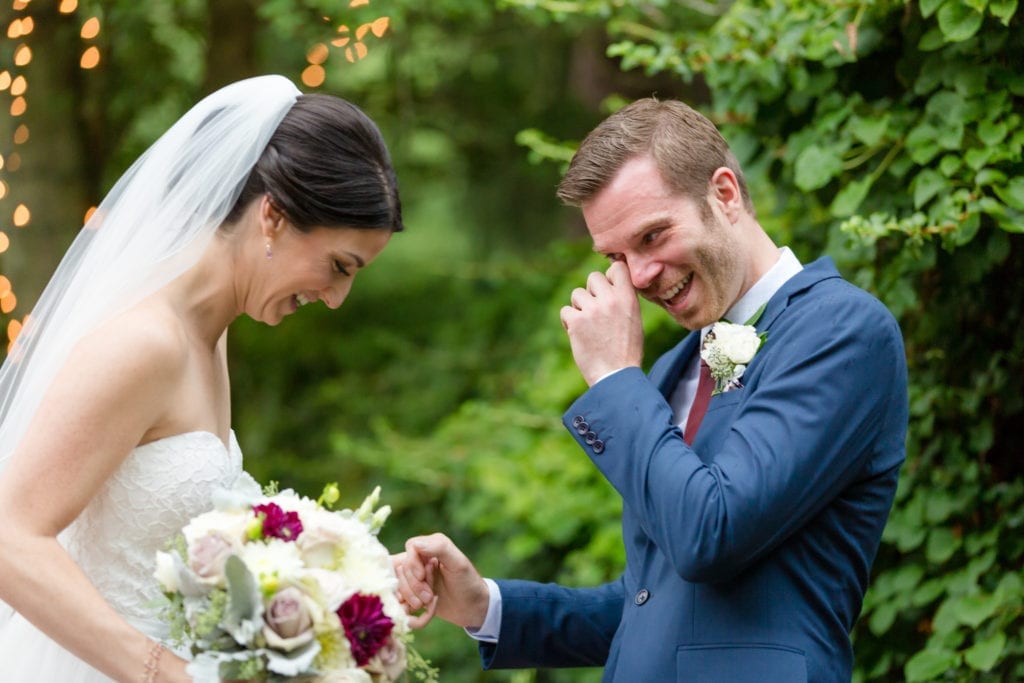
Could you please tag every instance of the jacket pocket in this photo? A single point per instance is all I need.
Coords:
(740, 663)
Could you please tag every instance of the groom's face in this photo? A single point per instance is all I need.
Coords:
(683, 255)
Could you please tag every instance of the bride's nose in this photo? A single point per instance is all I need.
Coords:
(334, 296)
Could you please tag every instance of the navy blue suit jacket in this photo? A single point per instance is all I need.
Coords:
(748, 554)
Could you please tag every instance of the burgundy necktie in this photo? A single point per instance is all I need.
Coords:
(700, 402)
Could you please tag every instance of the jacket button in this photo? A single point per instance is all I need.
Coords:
(590, 438)
(642, 596)
(598, 447)
(576, 421)
(582, 428)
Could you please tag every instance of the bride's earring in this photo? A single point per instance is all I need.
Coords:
(270, 254)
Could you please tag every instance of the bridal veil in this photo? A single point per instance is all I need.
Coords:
(150, 228)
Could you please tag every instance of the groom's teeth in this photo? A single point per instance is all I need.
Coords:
(667, 296)
(301, 298)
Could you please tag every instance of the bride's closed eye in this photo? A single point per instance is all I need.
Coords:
(339, 267)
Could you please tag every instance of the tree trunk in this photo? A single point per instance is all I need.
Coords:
(231, 42)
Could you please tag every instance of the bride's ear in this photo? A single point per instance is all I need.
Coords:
(271, 219)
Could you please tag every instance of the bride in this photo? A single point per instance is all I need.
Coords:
(114, 401)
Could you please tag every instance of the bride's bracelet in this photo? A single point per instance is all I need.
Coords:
(153, 662)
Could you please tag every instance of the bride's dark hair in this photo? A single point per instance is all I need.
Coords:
(326, 165)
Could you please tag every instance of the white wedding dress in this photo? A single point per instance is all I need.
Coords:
(158, 488)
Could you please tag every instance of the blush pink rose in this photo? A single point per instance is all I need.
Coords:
(288, 621)
(207, 555)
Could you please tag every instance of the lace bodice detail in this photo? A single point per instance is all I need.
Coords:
(154, 493)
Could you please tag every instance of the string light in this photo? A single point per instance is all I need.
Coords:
(90, 58)
(18, 86)
(22, 216)
(68, 6)
(353, 43)
(91, 28)
(23, 55)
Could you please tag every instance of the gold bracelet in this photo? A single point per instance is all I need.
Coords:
(153, 662)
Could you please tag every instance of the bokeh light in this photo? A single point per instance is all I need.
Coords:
(22, 216)
(313, 75)
(91, 28)
(90, 58)
(23, 55)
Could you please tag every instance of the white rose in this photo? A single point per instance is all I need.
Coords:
(229, 524)
(738, 343)
(166, 572)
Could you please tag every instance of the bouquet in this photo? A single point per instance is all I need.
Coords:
(276, 586)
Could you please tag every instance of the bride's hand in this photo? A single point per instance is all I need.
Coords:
(435, 576)
(420, 615)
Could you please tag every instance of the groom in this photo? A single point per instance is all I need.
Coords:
(755, 489)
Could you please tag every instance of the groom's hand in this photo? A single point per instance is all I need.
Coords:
(435, 576)
(604, 325)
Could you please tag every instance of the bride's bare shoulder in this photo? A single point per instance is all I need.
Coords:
(148, 338)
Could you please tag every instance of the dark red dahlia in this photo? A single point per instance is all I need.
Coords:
(366, 625)
(277, 523)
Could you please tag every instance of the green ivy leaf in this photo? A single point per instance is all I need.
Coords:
(973, 610)
(928, 7)
(815, 167)
(869, 130)
(926, 185)
(992, 133)
(989, 176)
(958, 21)
(1003, 10)
(950, 164)
(927, 665)
(941, 545)
(984, 654)
(932, 40)
(1012, 193)
(921, 143)
(927, 592)
(979, 156)
(849, 199)
(946, 105)
(882, 618)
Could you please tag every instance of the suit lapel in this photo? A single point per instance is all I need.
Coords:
(812, 274)
(674, 363)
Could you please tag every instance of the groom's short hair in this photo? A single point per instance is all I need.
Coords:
(686, 147)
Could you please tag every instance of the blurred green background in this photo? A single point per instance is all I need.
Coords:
(886, 134)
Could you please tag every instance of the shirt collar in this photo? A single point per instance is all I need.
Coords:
(764, 289)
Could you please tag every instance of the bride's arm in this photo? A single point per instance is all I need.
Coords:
(111, 392)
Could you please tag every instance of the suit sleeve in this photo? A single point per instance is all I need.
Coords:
(831, 390)
(547, 625)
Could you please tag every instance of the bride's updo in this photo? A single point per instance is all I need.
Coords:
(326, 165)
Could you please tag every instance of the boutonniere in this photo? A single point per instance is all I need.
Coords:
(728, 348)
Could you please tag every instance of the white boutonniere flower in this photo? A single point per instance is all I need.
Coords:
(728, 349)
